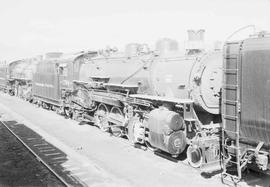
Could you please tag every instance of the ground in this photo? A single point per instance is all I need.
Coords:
(98, 159)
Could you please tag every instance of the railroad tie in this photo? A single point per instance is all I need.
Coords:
(52, 154)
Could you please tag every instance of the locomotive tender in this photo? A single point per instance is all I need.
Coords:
(246, 106)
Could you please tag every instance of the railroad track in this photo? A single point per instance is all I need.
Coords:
(48, 155)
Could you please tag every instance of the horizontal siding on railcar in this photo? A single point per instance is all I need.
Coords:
(246, 90)
(255, 90)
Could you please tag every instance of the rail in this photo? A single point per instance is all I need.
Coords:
(38, 157)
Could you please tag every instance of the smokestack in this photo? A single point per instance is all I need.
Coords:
(196, 35)
(195, 42)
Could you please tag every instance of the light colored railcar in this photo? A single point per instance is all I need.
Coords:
(4, 77)
(20, 75)
(246, 106)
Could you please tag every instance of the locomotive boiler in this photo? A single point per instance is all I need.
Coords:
(169, 74)
(158, 98)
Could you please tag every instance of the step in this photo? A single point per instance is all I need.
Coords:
(190, 119)
(235, 177)
(232, 132)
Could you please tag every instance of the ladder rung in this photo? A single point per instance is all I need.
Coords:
(190, 119)
(231, 56)
(233, 132)
(229, 102)
(230, 117)
(230, 86)
(230, 71)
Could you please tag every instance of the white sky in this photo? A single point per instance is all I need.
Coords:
(32, 27)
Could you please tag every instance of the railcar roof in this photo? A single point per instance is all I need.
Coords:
(68, 58)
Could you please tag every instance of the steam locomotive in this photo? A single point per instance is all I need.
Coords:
(16, 77)
(158, 99)
(167, 100)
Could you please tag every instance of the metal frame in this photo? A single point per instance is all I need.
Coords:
(236, 146)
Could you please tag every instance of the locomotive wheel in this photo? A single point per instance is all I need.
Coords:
(136, 131)
(194, 156)
(67, 112)
(131, 136)
(45, 105)
(11, 93)
(38, 103)
(54, 108)
(117, 114)
(101, 117)
(76, 116)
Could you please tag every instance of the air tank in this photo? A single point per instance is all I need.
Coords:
(165, 131)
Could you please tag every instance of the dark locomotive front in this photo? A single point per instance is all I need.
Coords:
(164, 99)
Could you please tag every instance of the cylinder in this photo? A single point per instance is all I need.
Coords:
(165, 131)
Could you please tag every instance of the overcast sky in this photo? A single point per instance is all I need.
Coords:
(31, 27)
